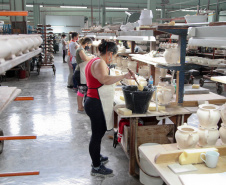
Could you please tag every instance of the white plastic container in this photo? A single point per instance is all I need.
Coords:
(145, 21)
(196, 18)
(144, 179)
(146, 14)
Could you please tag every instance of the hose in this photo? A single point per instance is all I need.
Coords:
(136, 153)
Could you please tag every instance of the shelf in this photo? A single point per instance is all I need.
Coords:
(137, 38)
(9, 64)
(157, 61)
(209, 36)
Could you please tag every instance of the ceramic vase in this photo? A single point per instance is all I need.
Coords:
(171, 55)
(208, 115)
(208, 136)
(186, 136)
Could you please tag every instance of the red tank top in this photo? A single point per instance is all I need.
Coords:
(92, 83)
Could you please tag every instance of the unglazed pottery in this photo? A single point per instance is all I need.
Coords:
(132, 65)
(164, 95)
(223, 133)
(172, 55)
(208, 136)
(5, 49)
(186, 136)
(26, 45)
(208, 115)
(223, 113)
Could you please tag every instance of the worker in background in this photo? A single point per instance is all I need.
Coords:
(138, 49)
(99, 102)
(64, 44)
(82, 59)
(73, 46)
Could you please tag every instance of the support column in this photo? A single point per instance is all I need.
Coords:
(151, 5)
(19, 23)
(163, 14)
(110, 20)
(36, 10)
(103, 17)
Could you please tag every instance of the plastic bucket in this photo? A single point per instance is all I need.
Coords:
(137, 101)
(22, 74)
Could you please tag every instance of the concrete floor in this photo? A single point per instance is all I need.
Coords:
(60, 152)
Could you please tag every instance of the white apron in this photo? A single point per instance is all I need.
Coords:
(106, 94)
(82, 67)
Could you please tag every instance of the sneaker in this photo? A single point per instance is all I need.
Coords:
(70, 86)
(102, 172)
(103, 160)
(81, 111)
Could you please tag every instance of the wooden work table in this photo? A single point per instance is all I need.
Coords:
(168, 176)
(176, 114)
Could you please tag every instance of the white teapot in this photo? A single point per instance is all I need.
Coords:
(208, 115)
(186, 136)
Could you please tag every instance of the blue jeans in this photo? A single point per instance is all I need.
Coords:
(74, 81)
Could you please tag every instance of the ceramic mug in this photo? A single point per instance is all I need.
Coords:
(211, 158)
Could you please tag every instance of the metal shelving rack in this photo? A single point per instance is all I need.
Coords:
(47, 46)
(209, 36)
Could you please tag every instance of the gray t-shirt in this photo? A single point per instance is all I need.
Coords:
(63, 44)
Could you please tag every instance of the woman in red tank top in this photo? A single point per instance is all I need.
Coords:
(99, 96)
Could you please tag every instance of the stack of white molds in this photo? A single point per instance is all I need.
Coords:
(223, 125)
(209, 116)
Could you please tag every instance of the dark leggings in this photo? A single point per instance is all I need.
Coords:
(64, 53)
(94, 110)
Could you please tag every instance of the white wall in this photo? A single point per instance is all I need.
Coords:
(65, 23)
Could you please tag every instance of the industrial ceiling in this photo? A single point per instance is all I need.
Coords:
(115, 9)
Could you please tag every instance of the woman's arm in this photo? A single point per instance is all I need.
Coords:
(99, 70)
(84, 57)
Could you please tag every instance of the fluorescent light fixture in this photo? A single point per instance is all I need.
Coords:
(116, 8)
(29, 5)
(84, 7)
(156, 9)
(57, 26)
(184, 10)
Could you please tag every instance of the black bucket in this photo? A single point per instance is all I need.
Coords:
(137, 101)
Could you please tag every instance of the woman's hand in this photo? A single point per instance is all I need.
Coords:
(130, 75)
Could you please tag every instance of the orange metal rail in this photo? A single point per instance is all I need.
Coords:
(17, 137)
(19, 174)
(23, 98)
(13, 13)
